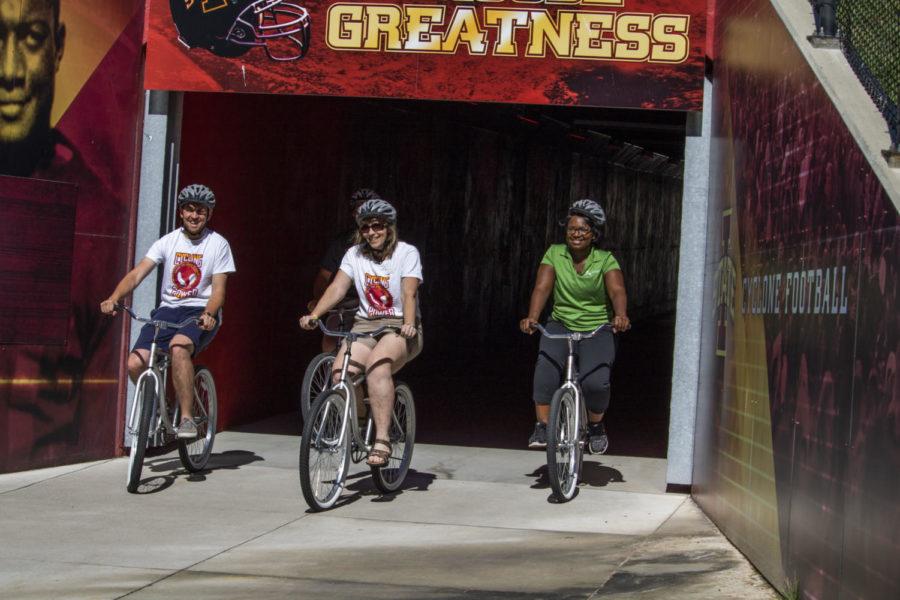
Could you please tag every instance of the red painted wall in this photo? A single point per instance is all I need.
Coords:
(60, 394)
(799, 419)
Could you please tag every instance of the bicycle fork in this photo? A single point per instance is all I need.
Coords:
(579, 401)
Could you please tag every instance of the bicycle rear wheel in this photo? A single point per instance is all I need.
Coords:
(325, 451)
(564, 451)
(403, 437)
(316, 379)
(145, 397)
(195, 453)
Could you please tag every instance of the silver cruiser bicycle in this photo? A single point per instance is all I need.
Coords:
(567, 428)
(332, 435)
(151, 416)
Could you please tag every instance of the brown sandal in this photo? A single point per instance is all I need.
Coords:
(382, 456)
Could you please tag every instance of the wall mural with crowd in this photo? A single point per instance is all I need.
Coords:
(69, 113)
(799, 416)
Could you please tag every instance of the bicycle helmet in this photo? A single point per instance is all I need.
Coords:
(590, 210)
(361, 195)
(376, 207)
(198, 194)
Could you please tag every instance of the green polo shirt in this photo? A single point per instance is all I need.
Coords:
(580, 301)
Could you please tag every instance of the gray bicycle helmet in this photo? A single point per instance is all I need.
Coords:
(198, 194)
(363, 194)
(376, 207)
(589, 209)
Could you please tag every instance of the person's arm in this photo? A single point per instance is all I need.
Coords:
(216, 301)
(543, 287)
(333, 294)
(127, 285)
(320, 283)
(615, 287)
(410, 287)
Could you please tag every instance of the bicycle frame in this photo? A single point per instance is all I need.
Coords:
(157, 369)
(350, 414)
(571, 378)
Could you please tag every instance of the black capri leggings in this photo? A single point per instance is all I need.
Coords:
(594, 358)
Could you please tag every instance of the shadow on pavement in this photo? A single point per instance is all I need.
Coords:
(230, 459)
(362, 486)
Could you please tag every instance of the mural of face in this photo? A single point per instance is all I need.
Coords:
(31, 48)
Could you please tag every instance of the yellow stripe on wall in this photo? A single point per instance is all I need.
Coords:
(63, 381)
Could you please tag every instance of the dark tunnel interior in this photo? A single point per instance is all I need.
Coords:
(480, 190)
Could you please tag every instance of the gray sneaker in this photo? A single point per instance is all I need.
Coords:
(598, 443)
(538, 439)
(187, 430)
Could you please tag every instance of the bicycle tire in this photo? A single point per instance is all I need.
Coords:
(316, 379)
(194, 454)
(403, 438)
(146, 399)
(564, 450)
(324, 461)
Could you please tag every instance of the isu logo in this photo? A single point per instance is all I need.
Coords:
(186, 275)
(381, 302)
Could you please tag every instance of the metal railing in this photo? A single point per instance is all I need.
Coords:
(869, 34)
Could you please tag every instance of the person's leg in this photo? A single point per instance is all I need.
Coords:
(181, 348)
(596, 357)
(138, 360)
(388, 355)
(548, 372)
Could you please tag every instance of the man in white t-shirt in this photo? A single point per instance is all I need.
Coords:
(197, 261)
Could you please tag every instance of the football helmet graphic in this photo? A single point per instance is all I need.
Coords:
(230, 28)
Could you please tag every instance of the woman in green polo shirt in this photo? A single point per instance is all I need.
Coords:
(588, 290)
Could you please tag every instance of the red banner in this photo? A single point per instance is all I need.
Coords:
(617, 53)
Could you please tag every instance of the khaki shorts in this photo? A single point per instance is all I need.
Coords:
(413, 345)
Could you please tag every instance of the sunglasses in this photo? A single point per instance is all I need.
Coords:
(375, 227)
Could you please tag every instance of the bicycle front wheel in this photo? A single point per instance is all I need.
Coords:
(316, 380)
(325, 451)
(564, 451)
(195, 453)
(403, 437)
(146, 400)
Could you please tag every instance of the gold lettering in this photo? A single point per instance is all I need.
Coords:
(419, 21)
(671, 41)
(632, 32)
(589, 30)
(345, 26)
(507, 22)
(465, 29)
(383, 24)
(545, 32)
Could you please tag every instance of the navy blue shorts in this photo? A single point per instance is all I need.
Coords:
(200, 338)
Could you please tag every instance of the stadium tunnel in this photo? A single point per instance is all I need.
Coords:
(480, 190)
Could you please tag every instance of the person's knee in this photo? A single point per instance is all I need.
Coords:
(597, 397)
(136, 364)
(181, 352)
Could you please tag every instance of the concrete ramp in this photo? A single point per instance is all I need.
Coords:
(471, 523)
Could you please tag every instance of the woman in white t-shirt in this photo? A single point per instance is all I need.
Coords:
(386, 273)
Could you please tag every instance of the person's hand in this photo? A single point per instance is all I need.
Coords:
(408, 331)
(308, 322)
(206, 322)
(527, 325)
(621, 323)
(108, 307)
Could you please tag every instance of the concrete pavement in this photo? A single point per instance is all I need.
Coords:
(471, 523)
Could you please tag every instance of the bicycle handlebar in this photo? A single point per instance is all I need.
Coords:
(346, 334)
(575, 335)
(157, 322)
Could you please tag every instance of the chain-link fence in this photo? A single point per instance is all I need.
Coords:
(869, 31)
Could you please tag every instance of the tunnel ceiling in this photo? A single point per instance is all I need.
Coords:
(644, 140)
